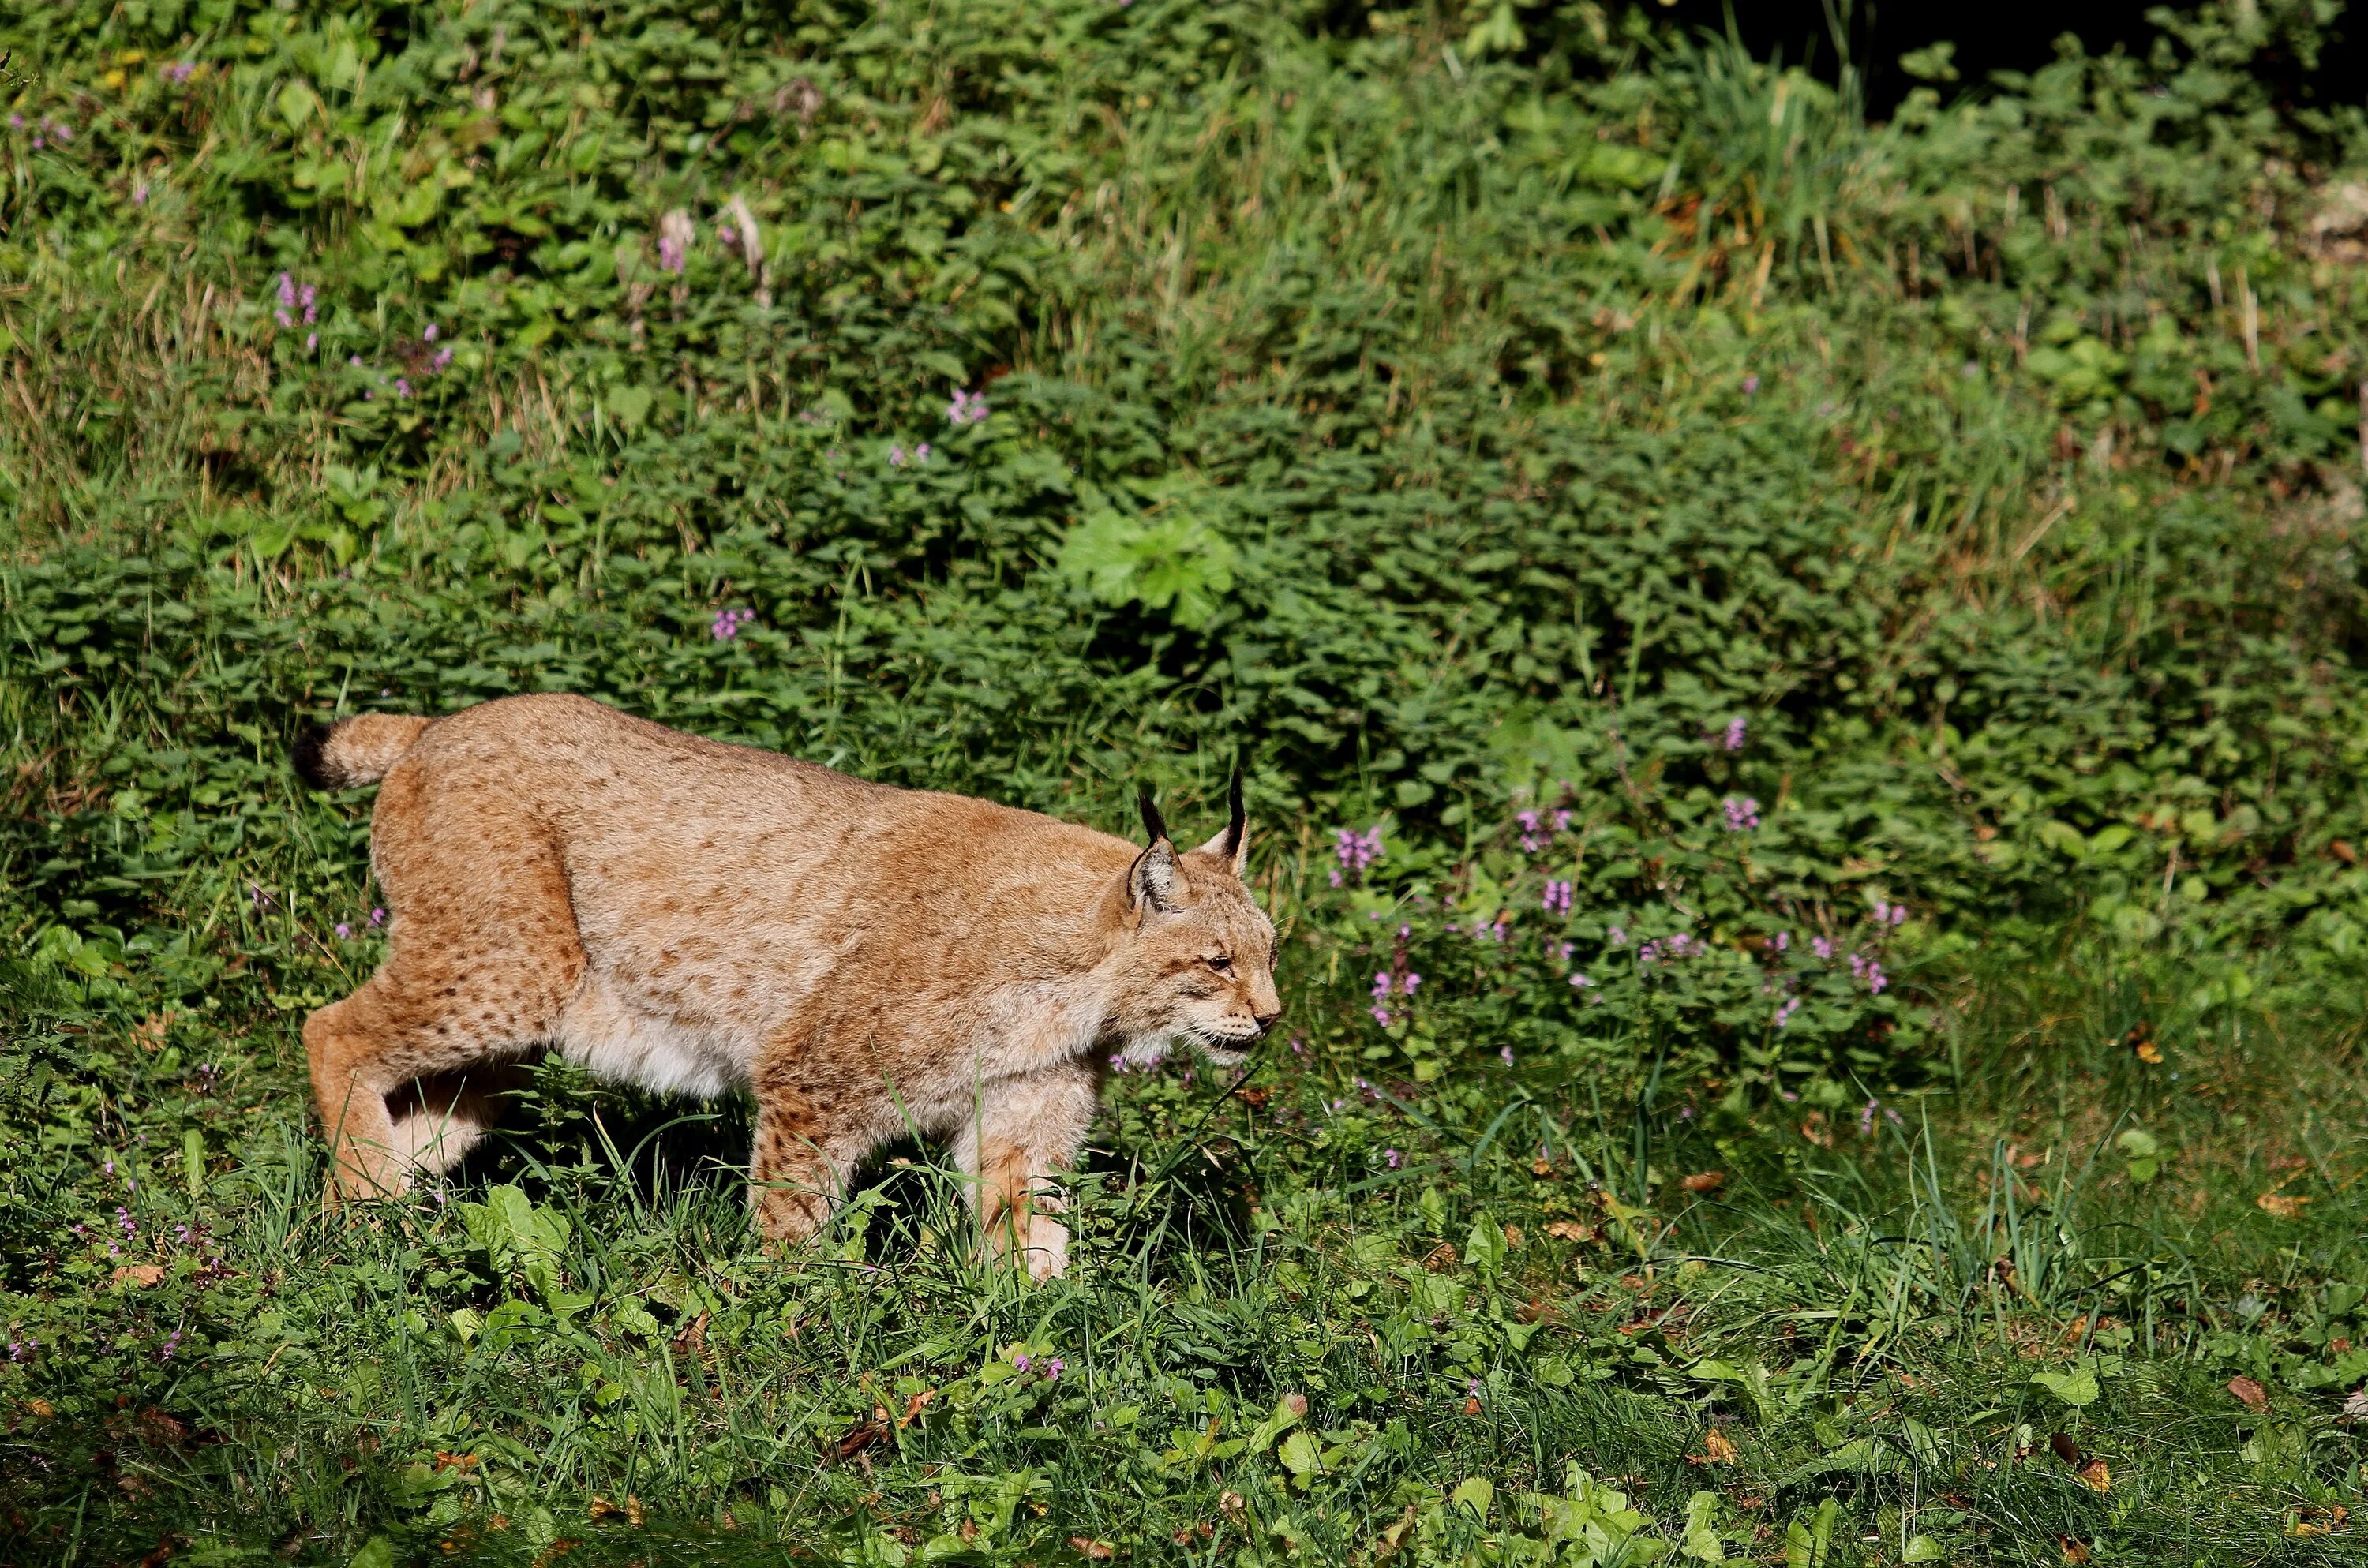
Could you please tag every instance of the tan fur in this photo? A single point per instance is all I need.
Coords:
(699, 917)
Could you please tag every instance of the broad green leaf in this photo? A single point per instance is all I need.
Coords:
(2077, 1388)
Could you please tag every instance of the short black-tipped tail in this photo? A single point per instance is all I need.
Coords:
(355, 751)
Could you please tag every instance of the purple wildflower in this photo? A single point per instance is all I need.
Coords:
(1781, 940)
(1579, 982)
(1390, 1157)
(305, 296)
(1508, 1054)
(402, 386)
(727, 235)
(1355, 851)
(1875, 979)
(1866, 1117)
(1734, 729)
(345, 932)
(172, 1344)
(1750, 385)
(1556, 898)
(1785, 1010)
(1019, 1359)
(670, 255)
(430, 334)
(177, 72)
(967, 408)
(378, 917)
(1822, 948)
(1054, 1367)
(1619, 937)
(728, 622)
(1742, 812)
(140, 193)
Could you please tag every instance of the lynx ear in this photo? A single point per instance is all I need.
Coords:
(1233, 845)
(1151, 883)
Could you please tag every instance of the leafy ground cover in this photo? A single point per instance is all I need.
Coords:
(1803, 686)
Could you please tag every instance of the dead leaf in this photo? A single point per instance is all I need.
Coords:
(42, 1408)
(1440, 1258)
(1513, 1237)
(2096, 1476)
(1717, 1449)
(2252, 1395)
(2280, 1205)
(1472, 1405)
(141, 1273)
(1086, 1546)
(861, 1436)
(2318, 1521)
(2064, 1449)
(913, 1406)
(1542, 1167)
(1570, 1230)
(1704, 1181)
(2073, 1551)
(1229, 1502)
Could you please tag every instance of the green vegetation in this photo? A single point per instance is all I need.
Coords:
(1831, 650)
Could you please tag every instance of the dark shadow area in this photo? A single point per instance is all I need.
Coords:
(2012, 37)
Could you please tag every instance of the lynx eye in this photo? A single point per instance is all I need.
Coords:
(1221, 963)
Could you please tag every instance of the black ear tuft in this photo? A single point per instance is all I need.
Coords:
(1237, 816)
(310, 755)
(1154, 826)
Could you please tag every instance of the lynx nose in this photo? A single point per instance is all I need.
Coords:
(1265, 1021)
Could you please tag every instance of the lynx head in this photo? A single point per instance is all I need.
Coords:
(1195, 956)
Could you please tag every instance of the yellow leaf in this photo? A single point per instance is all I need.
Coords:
(2096, 1477)
(2280, 1205)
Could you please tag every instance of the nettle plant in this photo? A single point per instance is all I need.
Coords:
(1640, 928)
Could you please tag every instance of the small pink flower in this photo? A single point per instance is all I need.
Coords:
(1392, 1157)
(345, 932)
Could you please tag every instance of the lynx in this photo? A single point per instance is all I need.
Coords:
(694, 918)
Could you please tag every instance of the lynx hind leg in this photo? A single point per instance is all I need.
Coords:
(437, 1120)
(484, 958)
(1024, 1132)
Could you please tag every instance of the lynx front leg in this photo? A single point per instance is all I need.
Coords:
(1023, 1132)
(799, 1164)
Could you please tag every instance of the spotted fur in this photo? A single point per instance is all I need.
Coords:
(700, 918)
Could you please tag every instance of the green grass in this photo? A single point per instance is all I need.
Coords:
(1953, 517)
